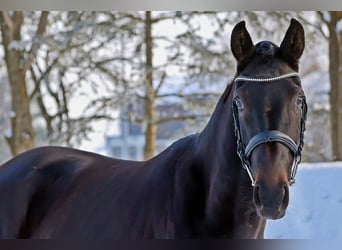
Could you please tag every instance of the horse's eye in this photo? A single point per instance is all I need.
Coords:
(299, 101)
(238, 103)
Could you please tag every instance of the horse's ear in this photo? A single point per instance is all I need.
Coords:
(241, 43)
(292, 46)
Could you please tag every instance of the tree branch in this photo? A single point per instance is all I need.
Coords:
(181, 118)
(9, 22)
(41, 77)
(316, 27)
(187, 95)
(161, 82)
(36, 43)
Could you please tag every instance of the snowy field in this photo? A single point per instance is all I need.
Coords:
(315, 209)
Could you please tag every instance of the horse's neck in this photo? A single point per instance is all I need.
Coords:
(219, 149)
(229, 194)
(218, 142)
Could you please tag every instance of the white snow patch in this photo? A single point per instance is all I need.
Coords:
(8, 133)
(315, 205)
(326, 16)
(12, 114)
(339, 26)
(17, 45)
(321, 106)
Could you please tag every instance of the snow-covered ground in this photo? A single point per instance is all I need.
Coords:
(315, 209)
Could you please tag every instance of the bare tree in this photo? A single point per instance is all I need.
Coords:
(333, 21)
(22, 136)
(114, 55)
(155, 76)
(138, 79)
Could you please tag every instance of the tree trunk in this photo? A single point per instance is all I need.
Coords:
(335, 73)
(22, 135)
(150, 112)
(339, 100)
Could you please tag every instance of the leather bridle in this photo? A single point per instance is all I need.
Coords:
(245, 151)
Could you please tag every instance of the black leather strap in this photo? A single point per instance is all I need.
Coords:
(270, 136)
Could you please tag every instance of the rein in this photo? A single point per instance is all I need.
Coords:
(245, 151)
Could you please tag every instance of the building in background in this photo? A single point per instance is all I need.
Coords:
(126, 140)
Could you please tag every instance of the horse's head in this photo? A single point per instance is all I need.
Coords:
(269, 112)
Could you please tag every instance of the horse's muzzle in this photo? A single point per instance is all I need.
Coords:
(271, 202)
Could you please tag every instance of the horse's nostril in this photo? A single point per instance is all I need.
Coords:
(286, 195)
(257, 200)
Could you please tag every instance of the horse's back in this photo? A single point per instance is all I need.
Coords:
(46, 190)
(55, 192)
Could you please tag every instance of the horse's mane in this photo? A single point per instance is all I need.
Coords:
(227, 91)
(266, 50)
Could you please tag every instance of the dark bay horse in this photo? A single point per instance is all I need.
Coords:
(199, 187)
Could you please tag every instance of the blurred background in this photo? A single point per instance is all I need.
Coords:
(128, 84)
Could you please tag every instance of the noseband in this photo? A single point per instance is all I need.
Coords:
(245, 151)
